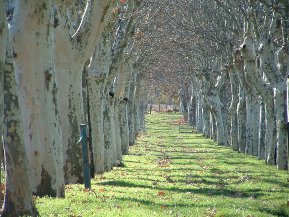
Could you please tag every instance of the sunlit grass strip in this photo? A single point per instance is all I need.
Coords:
(178, 174)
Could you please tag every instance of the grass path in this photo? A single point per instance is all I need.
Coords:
(178, 174)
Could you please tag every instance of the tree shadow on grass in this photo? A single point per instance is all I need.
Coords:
(276, 182)
(150, 203)
(252, 193)
(281, 212)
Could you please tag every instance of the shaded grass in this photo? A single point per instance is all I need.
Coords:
(178, 174)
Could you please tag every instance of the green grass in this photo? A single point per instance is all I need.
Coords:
(178, 174)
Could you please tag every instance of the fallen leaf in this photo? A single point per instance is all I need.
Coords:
(163, 207)
(161, 193)
(101, 190)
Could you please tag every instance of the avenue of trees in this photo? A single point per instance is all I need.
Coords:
(229, 60)
(100, 62)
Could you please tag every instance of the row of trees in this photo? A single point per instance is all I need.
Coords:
(255, 60)
(62, 64)
(230, 62)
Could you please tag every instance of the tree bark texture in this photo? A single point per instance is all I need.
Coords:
(34, 65)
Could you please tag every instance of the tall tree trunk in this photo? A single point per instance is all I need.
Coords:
(107, 131)
(3, 40)
(131, 112)
(18, 195)
(215, 104)
(251, 127)
(96, 116)
(124, 131)
(72, 53)
(260, 87)
(282, 150)
(117, 127)
(124, 107)
(241, 114)
(98, 72)
(71, 116)
(232, 114)
(32, 31)
(86, 108)
(280, 101)
(262, 132)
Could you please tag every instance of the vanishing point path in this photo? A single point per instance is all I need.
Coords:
(169, 173)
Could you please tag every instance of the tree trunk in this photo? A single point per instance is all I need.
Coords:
(280, 99)
(232, 114)
(203, 118)
(215, 104)
(32, 31)
(3, 40)
(71, 116)
(107, 131)
(206, 120)
(95, 89)
(18, 195)
(72, 53)
(251, 127)
(124, 131)
(131, 113)
(262, 132)
(117, 126)
(112, 130)
(241, 114)
(124, 107)
(282, 150)
(259, 87)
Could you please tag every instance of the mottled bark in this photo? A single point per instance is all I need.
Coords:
(72, 53)
(3, 39)
(95, 89)
(32, 31)
(252, 121)
(138, 107)
(113, 130)
(263, 89)
(124, 104)
(131, 114)
(124, 131)
(107, 137)
(18, 199)
(212, 96)
(280, 104)
(232, 114)
(121, 79)
(86, 108)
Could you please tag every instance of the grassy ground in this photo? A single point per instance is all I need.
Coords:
(178, 174)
